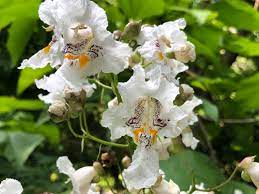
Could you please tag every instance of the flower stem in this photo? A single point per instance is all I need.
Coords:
(194, 188)
(101, 84)
(96, 139)
(114, 84)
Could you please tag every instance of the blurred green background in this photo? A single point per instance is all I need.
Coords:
(225, 76)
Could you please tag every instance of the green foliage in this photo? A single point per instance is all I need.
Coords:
(22, 15)
(141, 9)
(28, 76)
(220, 30)
(237, 13)
(11, 103)
(182, 167)
(242, 46)
(185, 166)
(247, 92)
(19, 34)
(19, 146)
(211, 110)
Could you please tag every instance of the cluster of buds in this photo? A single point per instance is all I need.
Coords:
(74, 103)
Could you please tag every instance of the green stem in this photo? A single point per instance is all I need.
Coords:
(81, 123)
(220, 185)
(85, 122)
(89, 136)
(106, 142)
(114, 84)
(101, 84)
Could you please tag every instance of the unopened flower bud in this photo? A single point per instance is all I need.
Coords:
(75, 100)
(186, 53)
(131, 30)
(245, 176)
(98, 167)
(117, 34)
(246, 162)
(126, 161)
(108, 159)
(186, 92)
(58, 111)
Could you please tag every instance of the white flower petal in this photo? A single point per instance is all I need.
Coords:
(161, 147)
(65, 77)
(167, 188)
(93, 189)
(96, 18)
(144, 169)
(188, 139)
(46, 12)
(82, 178)
(10, 186)
(42, 58)
(146, 33)
(65, 166)
(115, 119)
(114, 58)
(253, 171)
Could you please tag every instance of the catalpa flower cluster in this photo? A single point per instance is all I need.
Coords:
(152, 107)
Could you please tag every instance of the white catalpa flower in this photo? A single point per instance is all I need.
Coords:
(252, 169)
(200, 186)
(66, 78)
(81, 179)
(166, 45)
(86, 42)
(166, 187)
(10, 186)
(147, 111)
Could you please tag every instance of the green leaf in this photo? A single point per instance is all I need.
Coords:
(19, 35)
(235, 185)
(237, 13)
(28, 76)
(211, 110)
(203, 49)
(20, 146)
(11, 103)
(51, 132)
(182, 166)
(242, 46)
(18, 9)
(141, 9)
(201, 16)
(248, 94)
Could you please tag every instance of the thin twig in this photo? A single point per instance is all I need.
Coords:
(206, 137)
(220, 185)
(240, 121)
